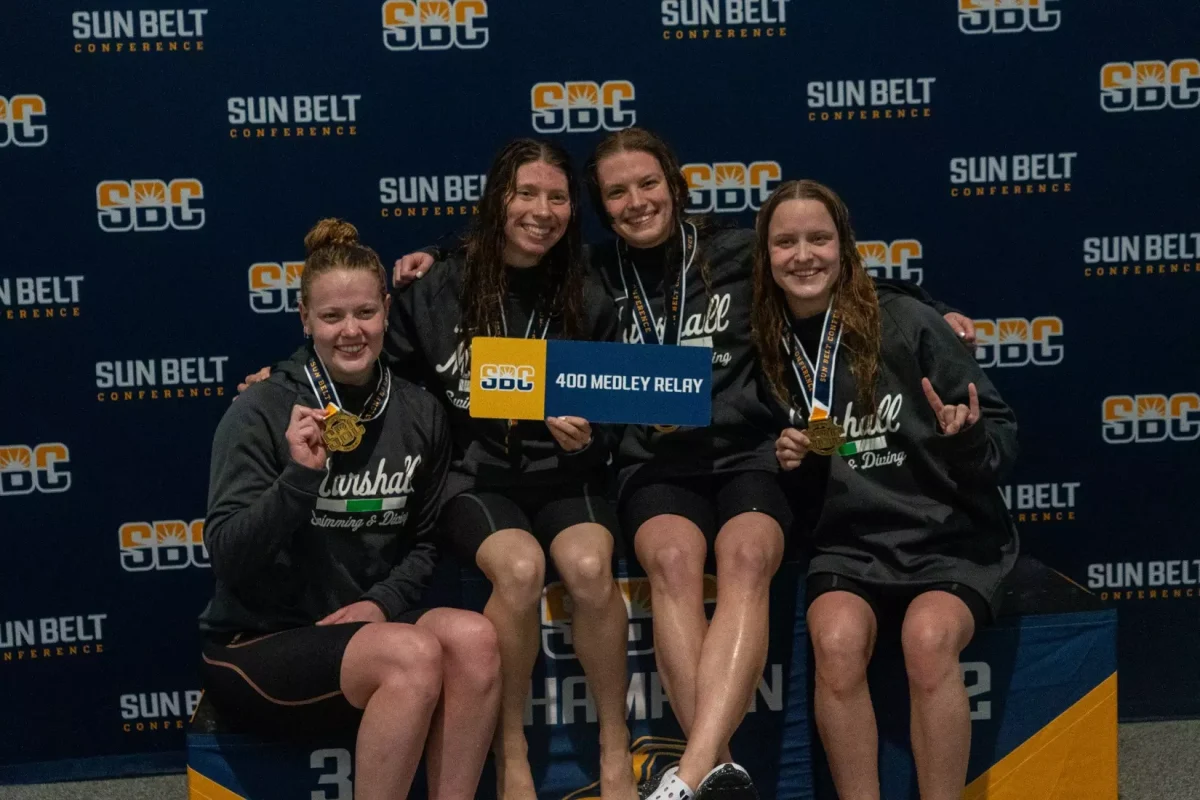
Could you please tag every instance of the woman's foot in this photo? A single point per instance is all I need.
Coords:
(616, 772)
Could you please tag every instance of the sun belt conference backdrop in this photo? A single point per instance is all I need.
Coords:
(1032, 163)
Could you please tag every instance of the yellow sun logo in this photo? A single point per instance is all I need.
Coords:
(1151, 74)
(1152, 407)
(3, 110)
(171, 533)
(873, 254)
(149, 193)
(294, 271)
(435, 13)
(731, 175)
(584, 96)
(639, 598)
(15, 458)
(1014, 330)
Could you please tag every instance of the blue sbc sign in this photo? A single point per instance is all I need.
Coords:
(627, 383)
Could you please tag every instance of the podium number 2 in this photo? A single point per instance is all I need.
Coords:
(340, 777)
(980, 709)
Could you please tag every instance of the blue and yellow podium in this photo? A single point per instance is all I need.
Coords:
(1042, 685)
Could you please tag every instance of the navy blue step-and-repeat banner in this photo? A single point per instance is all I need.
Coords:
(1031, 162)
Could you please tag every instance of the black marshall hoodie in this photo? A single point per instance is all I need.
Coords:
(291, 545)
(423, 344)
(903, 502)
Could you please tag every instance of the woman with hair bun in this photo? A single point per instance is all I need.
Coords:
(323, 497)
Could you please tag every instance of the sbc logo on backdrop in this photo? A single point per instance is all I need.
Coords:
(1146, 254)
(150, 204)
(40, 468)
(705, 20)
(167, 30)
(1016, 342)
(1149, 85)
(890, 260)
(878, 98)
(21, 121)
(1008, 16)
(434, 24)
(302, 116)
(582, 106)
(160, 378)
(730, 186)
(1150, 418)
(162, 545)
(275, 286)
(42, 297)
(431, 196)
(1022, 174)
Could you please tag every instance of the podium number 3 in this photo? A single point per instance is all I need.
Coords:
(340, 777)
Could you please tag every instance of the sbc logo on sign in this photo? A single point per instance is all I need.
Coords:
(434, 24)
(1007, 16)
(582, 106)
(169, 544)
(730, 187)
(1147, 418)
(275, 286)
(889, 260)
(19, 123)
(1015, 342)
(149, 205)
(1149, 85)
(506, 378)
(24, 469)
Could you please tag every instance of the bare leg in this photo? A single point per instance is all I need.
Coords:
(672, 549)
(600, 629)
(513, 561)
(842, 628)
(465, 719)
(749, 549)
(937, 626)
(394, 673)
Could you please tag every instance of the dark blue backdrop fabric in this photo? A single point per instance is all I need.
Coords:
(1032, 162)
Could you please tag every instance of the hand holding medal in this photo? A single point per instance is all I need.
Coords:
(954, 417)
(305, 437)
(790, 448)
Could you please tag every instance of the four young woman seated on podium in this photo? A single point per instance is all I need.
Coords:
(911, 539)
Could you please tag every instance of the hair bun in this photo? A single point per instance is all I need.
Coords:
(330, 232)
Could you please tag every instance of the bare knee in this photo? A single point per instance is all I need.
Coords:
(749, 559)
(471, 649)
(588, 576)
(518, 576)
(673, 557)
(842, 652)
(931, 651)
(401, 658)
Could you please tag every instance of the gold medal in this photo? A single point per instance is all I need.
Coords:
(343, 432)
(666, 428)
(825, 436)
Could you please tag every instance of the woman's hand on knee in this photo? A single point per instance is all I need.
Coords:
(362, 611)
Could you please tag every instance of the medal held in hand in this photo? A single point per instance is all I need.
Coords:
(815, 382)
(344, 431)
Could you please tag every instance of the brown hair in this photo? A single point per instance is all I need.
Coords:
(333, 244)
(854, 295)
(484, 283)
(635, 140)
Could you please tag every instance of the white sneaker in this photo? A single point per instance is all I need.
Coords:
(670, 787)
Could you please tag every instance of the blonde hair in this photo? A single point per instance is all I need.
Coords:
(333, 244)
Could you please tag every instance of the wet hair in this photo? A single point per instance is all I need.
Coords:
(333, 244)
(854, 296)
(484, 280)
(640, 140)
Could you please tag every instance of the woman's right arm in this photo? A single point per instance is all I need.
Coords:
(255, 503)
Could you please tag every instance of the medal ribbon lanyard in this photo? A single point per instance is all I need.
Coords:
(816, 381)
(673, 307)
(327, 395)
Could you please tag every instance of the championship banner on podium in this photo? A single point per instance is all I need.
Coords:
(599, 381)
